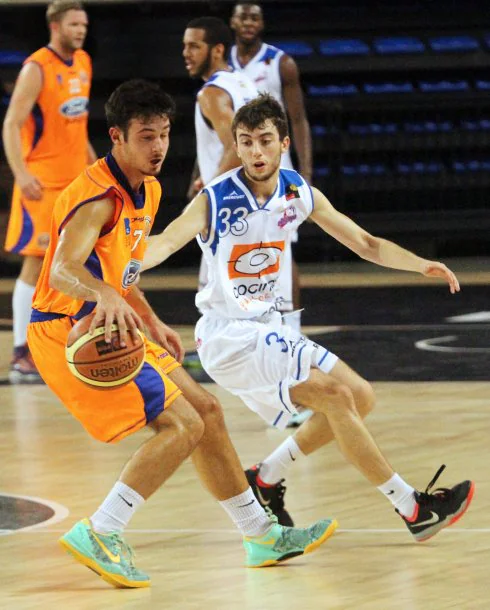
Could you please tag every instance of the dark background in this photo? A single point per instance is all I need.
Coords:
(401, 136)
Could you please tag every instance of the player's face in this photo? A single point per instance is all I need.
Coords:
(197, 54)
(260, 150)
(248, 22)
(72, 29)
(146, 144)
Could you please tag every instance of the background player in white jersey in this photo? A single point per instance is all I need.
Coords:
(243, 345)
(207, 42)
(274, 72)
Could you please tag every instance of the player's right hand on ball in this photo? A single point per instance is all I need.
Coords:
(112, 307)
(30, 186)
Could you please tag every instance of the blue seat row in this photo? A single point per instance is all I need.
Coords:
(11, 58)
(407, 168)
(370, 129)
(443, 86)
(384, 45)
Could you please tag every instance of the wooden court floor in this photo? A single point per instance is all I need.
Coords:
(189, 547)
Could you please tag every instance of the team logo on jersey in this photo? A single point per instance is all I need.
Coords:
(75, 107)
(59, 80)
(131, 273)
(234, 195)
(292, 192)
(289, 215)
(255, 260)
(83, 76)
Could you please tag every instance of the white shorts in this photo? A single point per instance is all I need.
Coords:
(259, 361)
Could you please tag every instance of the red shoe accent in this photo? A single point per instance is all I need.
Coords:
(262, 483)
(470, 497)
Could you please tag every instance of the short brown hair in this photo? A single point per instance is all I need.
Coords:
(254, 114)
(58, 8)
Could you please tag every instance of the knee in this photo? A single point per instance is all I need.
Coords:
(364, 397)
(185, 425)
(210, 410)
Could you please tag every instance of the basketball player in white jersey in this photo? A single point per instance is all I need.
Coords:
(207, 42)
(274, 72)
(242, 220)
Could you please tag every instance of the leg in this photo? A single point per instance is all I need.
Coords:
(317, 431)
(22, 367)
(335, 400)
(215, 458)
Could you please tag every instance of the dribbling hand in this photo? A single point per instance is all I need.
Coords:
(30, 186)
(112, 307)
(435, 269)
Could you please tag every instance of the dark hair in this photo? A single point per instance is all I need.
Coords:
(215, 32)
(58, 8)
(258, 111)
(137, 98)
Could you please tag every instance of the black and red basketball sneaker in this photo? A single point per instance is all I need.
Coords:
(271, 497)
(438, 509)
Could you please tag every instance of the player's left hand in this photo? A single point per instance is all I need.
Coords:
(167, 338)
(435, 269)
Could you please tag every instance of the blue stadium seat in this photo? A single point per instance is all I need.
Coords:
(323, 130)
(462, 43)
(371, 128)
(335, 47)
(428, 126)
(364, 169)
(321, 172)
(482, 85)
(443, 86)
(12, 58)
(420, 167)
(332, 90)
(406, 87)
(473, 165)
(398, 44)
(475, 124)
(295, 48)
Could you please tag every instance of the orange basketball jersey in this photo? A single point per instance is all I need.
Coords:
(54, 137)
(118, 253)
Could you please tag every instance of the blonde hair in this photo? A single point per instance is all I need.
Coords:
(58, 8)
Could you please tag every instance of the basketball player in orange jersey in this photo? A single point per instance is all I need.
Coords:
(99, 234)
(46, 143)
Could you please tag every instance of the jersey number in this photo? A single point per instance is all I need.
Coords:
(239, 227)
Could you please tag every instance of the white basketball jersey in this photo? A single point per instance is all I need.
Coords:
(244, 247)
(264, 71)
(209, 147)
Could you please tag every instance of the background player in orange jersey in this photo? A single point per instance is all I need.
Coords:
(100, 229)
(46, 143)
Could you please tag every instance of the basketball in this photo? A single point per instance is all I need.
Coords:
(102, 365)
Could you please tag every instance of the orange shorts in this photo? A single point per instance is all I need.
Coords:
(107, 415)
(30, 222)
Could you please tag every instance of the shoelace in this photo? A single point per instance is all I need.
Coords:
(441, 493)
(123, 548)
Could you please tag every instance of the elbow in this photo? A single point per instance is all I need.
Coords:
(369, 248)
(55, 281)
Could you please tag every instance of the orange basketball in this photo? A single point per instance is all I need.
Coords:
(100, 364)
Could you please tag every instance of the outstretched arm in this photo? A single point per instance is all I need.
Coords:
(375, 249)
(192, 221)
(295, 106)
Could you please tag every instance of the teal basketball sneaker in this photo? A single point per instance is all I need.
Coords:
(281, 543)
(108, 555)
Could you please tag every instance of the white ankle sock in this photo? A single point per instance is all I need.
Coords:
(247, 514)
(116, 510)
(400, 494)
(274, 467)
(21, 307)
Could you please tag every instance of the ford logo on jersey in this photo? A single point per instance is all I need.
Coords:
(74, 107)
(131, 273)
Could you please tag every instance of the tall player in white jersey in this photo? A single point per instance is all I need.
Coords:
(274, 72)
(207, 42)
(242, 220)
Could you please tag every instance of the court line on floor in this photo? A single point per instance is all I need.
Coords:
(40, 530)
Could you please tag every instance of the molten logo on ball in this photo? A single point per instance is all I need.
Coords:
(107, 348)
(115, 370)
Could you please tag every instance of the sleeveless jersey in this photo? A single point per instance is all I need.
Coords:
(264, 71)
(209, 146)
(54, 136)
(245, 243)
(118, 253)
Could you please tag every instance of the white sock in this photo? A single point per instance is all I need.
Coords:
(247, 514)
(293, 319)
(21, 306)
(274, 467)
(400, 494)
(116, 510)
